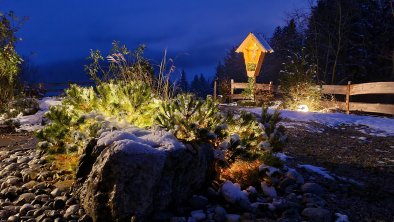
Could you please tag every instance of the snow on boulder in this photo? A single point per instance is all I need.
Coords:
(136, 172)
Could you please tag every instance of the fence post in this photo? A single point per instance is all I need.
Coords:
(231, 89)
(348, 97)
(214, 89)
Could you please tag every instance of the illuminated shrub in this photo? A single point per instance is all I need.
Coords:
(85, 113)
(297, 83)
(190, 118)
(245, 173)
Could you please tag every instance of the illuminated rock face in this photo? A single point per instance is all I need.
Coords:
(132, 178)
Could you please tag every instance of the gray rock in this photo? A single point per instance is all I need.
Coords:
(25, 198)
(233, 218)
(55, 192)
(312, 188)
(73, 209)
(25, 208)
(268, 190)
(293, 174)
(129, 178)
(317, 214)
(13, 219)
(220, 214)
(198, 215)
(29, 185)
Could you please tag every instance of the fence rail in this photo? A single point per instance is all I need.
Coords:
(347, 90)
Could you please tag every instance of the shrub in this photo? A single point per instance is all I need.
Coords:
(83, 113)
(276, 134)
(297, 83)
(10, 61)
(245, 173)
(189, 118)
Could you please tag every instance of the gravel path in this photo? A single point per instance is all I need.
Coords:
(31, 189)
(362, 165)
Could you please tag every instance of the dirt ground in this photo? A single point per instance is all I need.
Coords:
(362, 165)
(367, 163)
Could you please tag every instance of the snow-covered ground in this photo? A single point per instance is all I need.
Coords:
(376, 126)
(33, 122)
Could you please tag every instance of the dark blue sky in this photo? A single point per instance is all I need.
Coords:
(60, 33)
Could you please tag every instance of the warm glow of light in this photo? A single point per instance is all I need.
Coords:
(303, 108)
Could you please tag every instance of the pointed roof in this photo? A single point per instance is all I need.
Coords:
(260, 43)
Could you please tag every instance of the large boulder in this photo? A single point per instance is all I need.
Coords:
(140, 173)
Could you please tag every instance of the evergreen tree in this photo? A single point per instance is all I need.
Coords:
(183, 85)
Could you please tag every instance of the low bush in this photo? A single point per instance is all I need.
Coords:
(85, 113)
(245, 173)
(298, 85)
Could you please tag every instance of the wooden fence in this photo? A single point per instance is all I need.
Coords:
(347, 90)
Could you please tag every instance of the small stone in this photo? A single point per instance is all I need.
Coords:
(198, 215)
(317, 214)
(13, 219)
(220, 214)
(26, 198)
(312, 188)
(268, 190)
(71, 201)
(233, 218)
(25, 208)
(29, 185)
(59, 204)
(73, 209)
(56, 192)
(293, 174)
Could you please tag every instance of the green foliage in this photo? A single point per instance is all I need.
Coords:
(276, 134)
(84, 111)
(189, 118)
(250, 91)
(10, 61)
(269, 159)
(297, 83)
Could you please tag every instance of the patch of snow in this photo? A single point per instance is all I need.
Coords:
(232, 192)
(33, 122)
(350, 180)
(380, 126)
(159, 140)
(341, 217)
(282, 156)
(315, 169)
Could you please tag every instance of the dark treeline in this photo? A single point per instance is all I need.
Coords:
(348, 40)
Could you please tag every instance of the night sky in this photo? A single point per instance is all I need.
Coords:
(196, 33)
